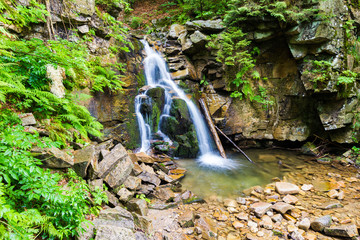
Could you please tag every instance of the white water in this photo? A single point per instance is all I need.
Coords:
(157, 75)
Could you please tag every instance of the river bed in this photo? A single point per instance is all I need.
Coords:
(206, 182)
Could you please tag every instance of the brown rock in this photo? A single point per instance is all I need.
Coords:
(138, 205)
(290, 199)
(186, 219)
(260, 208)
(238, 225)
(347, 231)
(282, 207)
(143, 157)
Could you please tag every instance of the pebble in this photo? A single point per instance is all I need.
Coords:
(260, 208)
(290, 199)
(242, 216)
(307, 187)
(238, 225)
(286, 188)
(333, 193)
(304, 224)
(277, 218)
(230, 203)
(260, 234)
(291, 228)
(266, 222)
(282, 207)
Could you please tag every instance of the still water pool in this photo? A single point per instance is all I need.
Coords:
(205, 182)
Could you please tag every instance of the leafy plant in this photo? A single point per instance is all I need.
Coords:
(142, 196)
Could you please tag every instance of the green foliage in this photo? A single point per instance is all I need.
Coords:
(33, 201)
(136, 22)
(142, 196)
(203, 9)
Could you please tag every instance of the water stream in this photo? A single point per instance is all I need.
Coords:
(157, 75)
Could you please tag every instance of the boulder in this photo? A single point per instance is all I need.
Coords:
(208, 26)
(82, 159)
(132, 183)
(150, 178)
(143, 157)
(313, 33)
(113, 201)
(138, 205)
(120, 173)
(117, 213)
(76, 7)
(304, 224)
(346, 231)
(176, 30)
(27, 119)
(111, 160)
(198, 38)
(282, 207)
(109, 232)
(53, 157)
(186, 219)
(286, 188)
(124, 194)
(164, 194)
(56, 75)
(321, 223)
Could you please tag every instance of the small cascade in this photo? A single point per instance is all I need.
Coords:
(157, 75)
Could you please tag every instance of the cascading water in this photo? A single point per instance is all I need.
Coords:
(157, 75)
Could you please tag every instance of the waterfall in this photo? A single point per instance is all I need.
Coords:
(157, 75)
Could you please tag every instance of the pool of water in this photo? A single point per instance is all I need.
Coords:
(205, 182)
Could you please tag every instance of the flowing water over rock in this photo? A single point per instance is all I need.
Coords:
(157, 75)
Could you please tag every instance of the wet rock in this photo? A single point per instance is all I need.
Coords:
(304, 224)
(307, 187)
(186, 219)
(321, 223)
(282, 207)
(27, 119)
(132, 183)
(150, 178)
(290, 199)
(124, 194)
(347, 231)
(286, 188)
(230, 203)
(180, 74)
(82, 159)
(330, 205)
(260, 208)
(138, 205)
(108, 232)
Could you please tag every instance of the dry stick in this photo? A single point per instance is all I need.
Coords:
(234, 145)
(212, 128)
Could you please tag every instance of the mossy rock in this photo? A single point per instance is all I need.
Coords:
(157, 95)
(170, 126)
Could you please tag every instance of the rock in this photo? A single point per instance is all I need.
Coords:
(113, 201)
(333, 193)
(290, 199)
(176, 30)
(83, 29)
(181, 74)
(146, 189)
(277, 218)
(209, 26)
(230, 203)
(286, 188)
(120, 173)
(321, 223)
(307, 187)
(282, 207)
(266, 222)
(97, 183)
(79, 7)
(237, 224)
(260, 208)
(108, 232)
(138, 205)
(142, 222)
(117, 216)
(348, 231)
(143, 157)
(82, 159)
(124, 194)
(198, 38)
(241, 200)
(242, 216)
(111, 160)
(53, 157)
(56, 75)
(313, 33)
(186, 219)
(88, 232)
(296, 235)
(253, 226)
(164, 194)
(330, 205)
(304, 224)
(132, 183)
(27, 119)
(149, 178)
(140, 236)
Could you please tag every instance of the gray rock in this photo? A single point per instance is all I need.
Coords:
(198, 38)
(116, 213)
(80, 7)
(83, 29)
(138, 205)
(140, 236)
(210, 26)
(53, 157)
(176, 30)
(321, 223)
(286, 188)
(304, 224)
(27, 119)
(296, 235)
(120, 173)
(97, 183)
(186, 219)
(56, 75)
(313, 33)
(82, 159)
(330, 205)
(109, 232)
(230, 203)
(150, 178)
(260, 208)
(347, 231)
(124, 194)
(111, 160)
(113, 201)
(298, 51)
(143, 223)
(132, 183)
(87, 233)
(277, 218)
(282, 207)
(146, 189)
